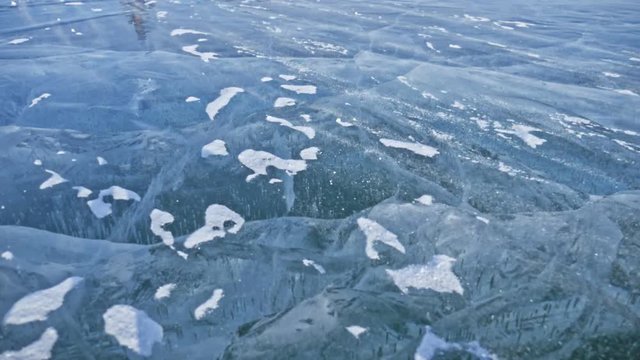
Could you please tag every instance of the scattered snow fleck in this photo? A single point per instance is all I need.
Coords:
(214, 225)
(312, 263)
(61, 152)
(211, 304)
(306, 130)
(37, 350)
(310, 153)
(454, 46)
(101, 161)
(74, 3)
(375, 232)
(430, 46)
(132, 328)
(266, 79)
(180, 32)
(159, 14)
(7, 255)
(274, 181)
(496, 44)
(483, 219)
(54, 180)
(476, 18)
(192, 99)
(259, 161)
(356, 330)
(610, 74)
(164, 291)
(18, 41)
(417, 148)
(35, 101)
(300, 89)
(425, 200)
(306, 117)
(458, 105)
(83, 192)
(100, 209)
(524, 133)
(287, 77)
(204, 56)
(634, 59)
(37, 305)
(37, 162)
(223, 100)
(159, 219)
(283, 102)
(214, 148)
(344, 123)
(435, 275)
(626, 92)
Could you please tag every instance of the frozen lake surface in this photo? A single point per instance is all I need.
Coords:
(319, 179)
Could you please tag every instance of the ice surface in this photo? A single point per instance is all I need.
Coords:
(132, 328)
(534, 189)
(38, 305)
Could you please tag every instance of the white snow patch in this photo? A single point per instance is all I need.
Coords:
(430, 46)
(432, 344)
(54, 180)
(287, 77)
(524, 133)
(214, 219)
(214, 148)
(274, 181)
(37, 350)
(132, 328)
(458, 105)
(375, 232)
(312, 263)
(192, 99)
(310, 153)
(159, 219)
(180, 32)
(306, 117)
(204, 56)
(435, 275)
(223, 100)
(100, 209)
(35, 101)
(37, 162)
(83, 192)
(283, 102)
(259, 161)
(417, 148)
(39, 304)
(476, 18)
(496, 44)
(625, 92)
(611, 74)
(425, 200)
(483, 219)
(211, 304)
(18, 41)
(266, 79)
(74, 3)
(164, 291)
(101, 161)
(454, 46)
(306, 130)
(7, 255)
(300, 89)
(356, 330)
(344, 123)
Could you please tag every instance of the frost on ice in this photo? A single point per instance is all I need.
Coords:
(214, 148)
(436, 275)
(306, 130)
(356, 330)
(215, 218)
(38, 305)
(37, 350)
(259, 161)
(211, 304)
(375, 232)
(416, 148)
(221, 101)
(164, 291)
(53, 180)
(132, 328)
(159, 219)
(100, 208)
